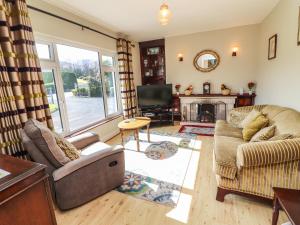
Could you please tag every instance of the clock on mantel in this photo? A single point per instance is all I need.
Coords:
(206, 88)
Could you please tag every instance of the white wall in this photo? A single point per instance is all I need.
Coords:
(279, 79)
(49, 26)
(235, 72)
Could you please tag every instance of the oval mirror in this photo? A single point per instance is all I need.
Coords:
(206, 61)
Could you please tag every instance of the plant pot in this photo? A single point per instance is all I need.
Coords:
(188, 92)
(226, 92)
(250, 92)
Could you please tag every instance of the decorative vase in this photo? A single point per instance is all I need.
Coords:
(250, 92)
(241, 91)
(177, 93)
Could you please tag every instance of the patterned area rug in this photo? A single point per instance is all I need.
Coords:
(198, 129)
(157, 172)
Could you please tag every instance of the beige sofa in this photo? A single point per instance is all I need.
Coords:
(252, 169)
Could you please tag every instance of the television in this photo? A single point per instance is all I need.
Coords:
(151, 96)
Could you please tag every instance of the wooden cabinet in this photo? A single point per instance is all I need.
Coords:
(25, 196)
(245, 100)
(153, 67)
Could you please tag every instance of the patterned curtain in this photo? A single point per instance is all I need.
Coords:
(22, 91)
(126, 78)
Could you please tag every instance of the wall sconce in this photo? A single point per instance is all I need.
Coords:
(234, 51)
(180, 57)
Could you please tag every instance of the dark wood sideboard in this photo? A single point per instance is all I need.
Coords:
(241, 100)
(25, 196)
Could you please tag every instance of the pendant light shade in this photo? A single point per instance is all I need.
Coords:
(164, 14)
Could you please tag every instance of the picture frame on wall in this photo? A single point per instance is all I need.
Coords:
(272, 50)
(298, 39)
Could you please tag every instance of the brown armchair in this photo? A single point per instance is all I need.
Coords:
(99, 169)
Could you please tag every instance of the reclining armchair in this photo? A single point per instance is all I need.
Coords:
(99, 169)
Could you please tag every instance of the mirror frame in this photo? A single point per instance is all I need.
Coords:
(205, 70)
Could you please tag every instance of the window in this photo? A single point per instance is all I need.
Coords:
(43, 51)
(81, 85)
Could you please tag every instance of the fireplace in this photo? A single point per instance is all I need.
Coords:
(206, 113)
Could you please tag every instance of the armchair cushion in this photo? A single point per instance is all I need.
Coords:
(70, 150)
(223, 128)
(268, 152)
(44, 139)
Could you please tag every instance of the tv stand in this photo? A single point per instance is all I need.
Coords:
(159, 115)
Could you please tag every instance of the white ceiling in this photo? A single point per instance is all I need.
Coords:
(139, 18)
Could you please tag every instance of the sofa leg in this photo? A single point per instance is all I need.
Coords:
(221, 194)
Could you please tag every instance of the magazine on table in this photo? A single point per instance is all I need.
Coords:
(3, 173)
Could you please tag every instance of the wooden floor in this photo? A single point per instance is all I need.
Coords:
(197, 205)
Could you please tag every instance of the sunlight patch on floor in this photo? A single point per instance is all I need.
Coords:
(181, 212)
(191, 174)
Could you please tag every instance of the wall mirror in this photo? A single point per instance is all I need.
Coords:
(206, 60)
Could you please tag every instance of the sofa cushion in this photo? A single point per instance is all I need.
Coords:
(44, 139)
(264, 134)
(253, 127)
(222, 128)
(236, 118)
(281, 137)
(225, 150)
(250, 117)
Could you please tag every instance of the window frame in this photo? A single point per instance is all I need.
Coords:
(54, 64)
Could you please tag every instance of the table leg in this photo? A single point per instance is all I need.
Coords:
(148, 133)
(276, 208)
(122, 137)
(137, 139)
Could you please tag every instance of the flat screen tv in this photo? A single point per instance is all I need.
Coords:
(150, 96)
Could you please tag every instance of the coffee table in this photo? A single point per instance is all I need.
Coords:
(289, 201)
(135, 124)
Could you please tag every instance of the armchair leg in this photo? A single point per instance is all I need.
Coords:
(221, 194)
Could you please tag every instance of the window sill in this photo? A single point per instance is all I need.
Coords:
(93, 125)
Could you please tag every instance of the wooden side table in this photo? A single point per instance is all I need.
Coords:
(135, 124)
(25, 196)
(289, 201)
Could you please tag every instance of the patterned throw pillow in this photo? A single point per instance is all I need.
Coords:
(236, 117)
(281, 137)
(254, 126)
(264, 134)
(250, 117)
(70, 150)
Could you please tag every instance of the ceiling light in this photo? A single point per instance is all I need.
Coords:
(164, 14)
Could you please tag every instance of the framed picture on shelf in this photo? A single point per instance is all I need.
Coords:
(298, 39)
(153, 51)
(272, 50)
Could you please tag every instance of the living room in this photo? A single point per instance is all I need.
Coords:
(160, 112)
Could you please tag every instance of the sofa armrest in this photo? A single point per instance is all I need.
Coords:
(83, 161)
(268, 152)
(83, 140)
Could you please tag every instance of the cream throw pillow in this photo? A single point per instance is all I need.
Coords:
(250, 117)
(236, 117)
(264, 134)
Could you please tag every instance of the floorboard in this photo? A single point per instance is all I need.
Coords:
(197, 204)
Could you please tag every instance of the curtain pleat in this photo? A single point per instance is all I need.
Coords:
(23, 94)
(128, 94)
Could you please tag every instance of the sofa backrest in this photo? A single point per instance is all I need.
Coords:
(286, 120)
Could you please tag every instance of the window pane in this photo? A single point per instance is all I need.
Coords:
(82, 85)
(43, 51)
(48, 77)
(107, 61)
(110, 88)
